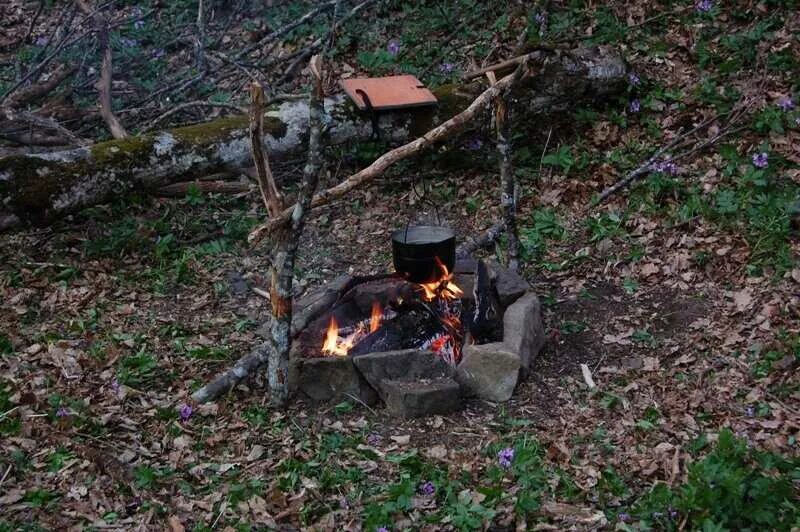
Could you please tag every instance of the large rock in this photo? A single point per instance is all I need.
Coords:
(523, 331)
(489, 371)
(421, 398)
(508, 284)
(403, 365)
(333, 379)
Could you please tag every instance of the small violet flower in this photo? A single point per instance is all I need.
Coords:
(128, 43)
(704, 6)
(41, 41)
(657, 515)
(446, 68)
(672, 512)
(505, 457)
(666, 167)
(393, 47)
(634, 79)
(139, 24)
(382, 529)
(115, 386)
(186, 412)
(63, 411)
(761, 160)
(540, 18)
(786, 104)
(158, 53)
(427, 488)
(634, 106)
(374, 439)
(623, 517)
(750, 411)
(474, 144)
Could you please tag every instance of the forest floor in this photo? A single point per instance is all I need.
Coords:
(682, 295)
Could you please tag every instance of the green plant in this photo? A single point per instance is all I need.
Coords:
(733, 487)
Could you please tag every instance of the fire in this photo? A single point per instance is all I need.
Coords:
(376, 318)
(340, 346)
(444, 288)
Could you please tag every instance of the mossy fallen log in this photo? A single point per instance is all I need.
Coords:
(38, 188)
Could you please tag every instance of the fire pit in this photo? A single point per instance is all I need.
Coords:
(419, 347)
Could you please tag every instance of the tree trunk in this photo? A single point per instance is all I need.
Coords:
(42, 187)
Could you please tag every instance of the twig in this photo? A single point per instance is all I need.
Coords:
(483, 241)
(43, 122)
(103, 84)
(29, 94)
(280, 32)
(266, 182)
(230, 378)
(199, 54)
(181, 107)
(502, 65)
(646, 167)
(437, 134)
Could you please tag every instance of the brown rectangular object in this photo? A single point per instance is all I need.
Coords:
(393, 92)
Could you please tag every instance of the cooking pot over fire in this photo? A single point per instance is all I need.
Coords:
(420, 251)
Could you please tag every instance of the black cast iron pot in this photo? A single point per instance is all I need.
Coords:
(415, 251)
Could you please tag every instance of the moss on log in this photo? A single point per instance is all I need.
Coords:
(39, 188)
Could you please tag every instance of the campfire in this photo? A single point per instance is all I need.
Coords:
(439, 301)
(420, 339)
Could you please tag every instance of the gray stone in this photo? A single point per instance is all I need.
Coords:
(489, 371)
(466, 282)
(333, 379)
(237, 283)
(465, 265)
(404, 365)
(421, 398)
(523, 331)
(508, 284)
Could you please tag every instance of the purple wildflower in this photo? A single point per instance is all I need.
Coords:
(634, 79)
(382, 529)
(704, 6)
(665, 167)
(393, 47)
(474, 144)
(41, 41)
(505, 457)
(427, 488)
(657, 515)
(635, 106)
(446, 68)
(138, 24)
(786, 104)
(128, 43)
(761, 160)
(540, 18)
(115, 386)
(63, 411)
(750, 411)
(186, 412)
(672, 512)
(158, 53)
(624, 517)
(374, 439)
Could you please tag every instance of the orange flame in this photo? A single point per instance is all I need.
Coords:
(376, 318)
(444, 287)
(333, 345)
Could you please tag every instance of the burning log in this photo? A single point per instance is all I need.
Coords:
(38, 188)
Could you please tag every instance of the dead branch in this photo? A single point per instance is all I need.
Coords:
(221, 187)
(30, 119)
(197, 103)
(230, 378)
(287, 243)
(266, 182)
(199, 52)
(103, 84)
(489, 237)
(680, 140)
(508, 200)
(437, 134)
(504, 65)
(34, 92)
(280, 32)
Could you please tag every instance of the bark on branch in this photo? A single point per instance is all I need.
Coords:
(39, 188)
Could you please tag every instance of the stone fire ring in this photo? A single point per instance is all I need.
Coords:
(414, 383)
